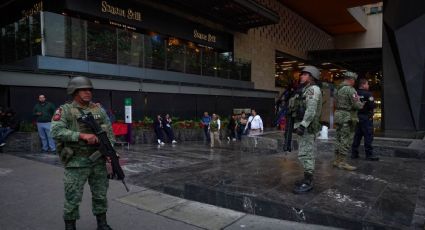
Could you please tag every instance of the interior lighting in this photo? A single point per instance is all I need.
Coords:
(287, 62)
(326, 63)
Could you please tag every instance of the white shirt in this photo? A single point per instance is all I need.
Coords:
(256, 122)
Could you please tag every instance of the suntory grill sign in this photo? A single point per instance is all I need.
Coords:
(125, 13)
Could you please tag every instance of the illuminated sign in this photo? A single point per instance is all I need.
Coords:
(128, 13)
(206, 37)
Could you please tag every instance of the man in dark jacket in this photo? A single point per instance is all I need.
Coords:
(365, 126)
(43, 112)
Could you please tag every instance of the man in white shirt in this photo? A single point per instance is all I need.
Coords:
(255, 124)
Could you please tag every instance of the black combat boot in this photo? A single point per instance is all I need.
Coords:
(101, 222)
(70, 225)
(305, 185)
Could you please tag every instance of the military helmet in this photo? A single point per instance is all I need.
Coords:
(313, 71)
(78, 82)
(350, 75)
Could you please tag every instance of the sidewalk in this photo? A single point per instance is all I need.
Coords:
(32, 198)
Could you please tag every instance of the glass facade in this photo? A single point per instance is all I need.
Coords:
(74, 38)
(20, 40)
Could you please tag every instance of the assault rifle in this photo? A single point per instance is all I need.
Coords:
(293, 112)
(106, 149)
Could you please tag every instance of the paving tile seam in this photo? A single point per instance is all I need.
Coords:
(236, 220)
(419, 218)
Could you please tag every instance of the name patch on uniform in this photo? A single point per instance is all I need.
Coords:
(58, 114)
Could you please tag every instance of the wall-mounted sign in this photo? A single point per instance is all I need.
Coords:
(37, 7)
(206, 37)
(125, 13)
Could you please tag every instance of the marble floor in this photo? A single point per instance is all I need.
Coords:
(380, 195)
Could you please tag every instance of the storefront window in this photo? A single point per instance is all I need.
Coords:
(75, 38)
(193, 58)
(209, 62)
(155, 51)
(224, 64)
(130, 48)
(175, 55)
(101, 43)
(35, 35)
(22, 39)
(54, 34)
(9, 43)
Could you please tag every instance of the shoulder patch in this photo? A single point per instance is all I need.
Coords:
(58, 114)
(371, 98)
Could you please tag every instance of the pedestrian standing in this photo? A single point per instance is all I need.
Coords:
(347, 105)
(254, 124)
(169, 129)
(241, 125)
(158, 126)
(308, 106)
(214, 130)
(205, 121)
(76, 143)
(365, 126)
(43, 112)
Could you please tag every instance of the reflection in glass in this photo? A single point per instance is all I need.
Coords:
(224, 62)
(9, 43)
(175, 55)
(193, 58)
(130, 48)
(155, 51)
(35, 35)
(101, 43)
(22, 39)
(54, 34)
(208, 63)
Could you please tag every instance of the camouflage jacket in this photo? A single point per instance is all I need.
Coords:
(311, 100)
(66, 129)
(347, 104)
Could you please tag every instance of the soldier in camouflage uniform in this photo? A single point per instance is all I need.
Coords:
(307, 105)
(76, 142)
(347, 105)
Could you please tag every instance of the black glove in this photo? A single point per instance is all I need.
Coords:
(300, 130)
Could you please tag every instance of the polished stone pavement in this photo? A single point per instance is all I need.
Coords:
(380, 195)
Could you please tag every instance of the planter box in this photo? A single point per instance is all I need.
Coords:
(147, 136)
(23, 142)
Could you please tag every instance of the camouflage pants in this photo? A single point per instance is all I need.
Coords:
(344, 138)
(306, 152)
(74, 181)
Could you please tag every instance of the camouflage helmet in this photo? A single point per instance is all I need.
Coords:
(78, 82)
(313, 71)
(350, 75)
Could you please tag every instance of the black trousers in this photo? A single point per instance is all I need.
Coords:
(363, 129)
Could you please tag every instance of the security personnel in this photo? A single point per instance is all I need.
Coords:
(307, 105)
(76, 142)
(347, 105)
(365, 126)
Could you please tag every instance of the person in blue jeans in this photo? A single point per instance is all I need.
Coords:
(205, 120)
(43, 112)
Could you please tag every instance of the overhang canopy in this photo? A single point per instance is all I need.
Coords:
(239, 15)
(330, 15)
(358, 60)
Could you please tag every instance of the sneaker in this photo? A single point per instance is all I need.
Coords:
(228, 138)
(162, 143)
(159, 141)
(174, 142)
(2, 144)
(234, 139)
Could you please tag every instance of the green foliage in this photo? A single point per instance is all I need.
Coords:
(26, 126)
